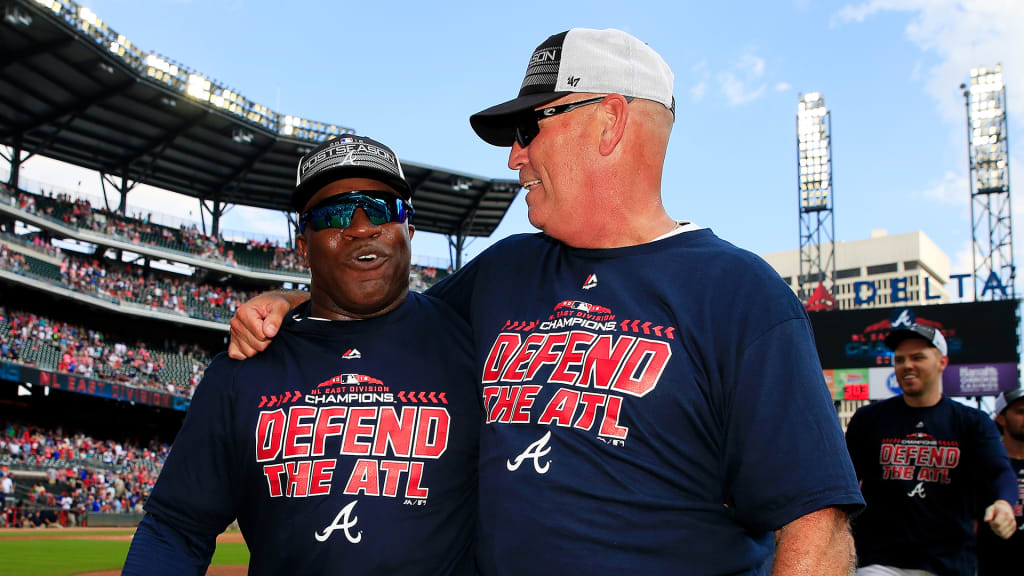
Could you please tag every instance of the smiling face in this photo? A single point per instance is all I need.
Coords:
(550, 168)
(919, 367)
(361, 271)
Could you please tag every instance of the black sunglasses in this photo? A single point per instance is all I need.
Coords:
(527, 124)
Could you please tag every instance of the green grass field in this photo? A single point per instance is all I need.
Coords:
(56, 554)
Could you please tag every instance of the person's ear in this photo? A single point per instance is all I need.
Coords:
(615, 110)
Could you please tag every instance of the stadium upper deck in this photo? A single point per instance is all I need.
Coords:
(73, 89)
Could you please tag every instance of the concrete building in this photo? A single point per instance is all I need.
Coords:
(879, 272)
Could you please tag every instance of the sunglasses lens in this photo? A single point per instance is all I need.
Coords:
(338, 213)
(526, 130)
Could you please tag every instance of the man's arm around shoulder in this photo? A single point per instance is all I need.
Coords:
(817, 544)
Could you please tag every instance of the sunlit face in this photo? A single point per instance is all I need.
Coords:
(919, 367)
(548, 169)
(359, 271)
(1012, 420)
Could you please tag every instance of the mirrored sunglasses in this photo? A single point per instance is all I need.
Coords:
(337, 211)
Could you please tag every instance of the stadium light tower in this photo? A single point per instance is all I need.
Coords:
(817, 227)
(988, 157)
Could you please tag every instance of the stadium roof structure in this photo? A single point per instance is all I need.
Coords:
(75, 90)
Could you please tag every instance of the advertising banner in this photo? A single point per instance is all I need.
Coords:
(982, 340)
(852, 384)
(882, 383)
(91, 387)
(977, 379)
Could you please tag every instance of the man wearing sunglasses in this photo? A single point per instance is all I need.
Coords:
(351, 445)
(654, 401)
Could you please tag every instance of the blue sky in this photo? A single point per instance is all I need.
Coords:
(410, 74)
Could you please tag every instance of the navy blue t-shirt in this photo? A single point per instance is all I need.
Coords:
(998, 557)
(655, 409)
(923, 471)
(345, 448)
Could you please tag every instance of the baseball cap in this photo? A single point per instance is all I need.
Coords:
(348, 156)
(1007, 398)
(932, 335)
(580, 60)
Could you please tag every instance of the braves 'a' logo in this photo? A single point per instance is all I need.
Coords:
(918, 491)
(904, 320)
(343, 521)
(534, 452)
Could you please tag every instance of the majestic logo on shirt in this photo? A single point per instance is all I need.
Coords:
(919, 424)
(534, 452)
(343, 521)
(351, 354)
(591, 282)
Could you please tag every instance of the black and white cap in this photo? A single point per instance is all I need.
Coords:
(348, 156)
(932, 335)
(580, 60)
(1007, 398)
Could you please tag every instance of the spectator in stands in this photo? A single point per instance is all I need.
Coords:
(6, 488)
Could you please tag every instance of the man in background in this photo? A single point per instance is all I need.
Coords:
(924, 461)
(998, 557)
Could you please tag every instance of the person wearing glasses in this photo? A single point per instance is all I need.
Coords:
(654, 401)
(351, 444)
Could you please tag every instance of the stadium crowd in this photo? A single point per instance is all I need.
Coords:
(257, 254)
(30, 339)
(163, 291)
(67, 477)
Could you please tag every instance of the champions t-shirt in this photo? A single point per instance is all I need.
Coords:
(346, 447)
(649, 410)
(925, 473)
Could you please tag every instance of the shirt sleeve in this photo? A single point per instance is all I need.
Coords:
(195, 494)
(855, 444)
(785, 455)
(994, 464)
(159, 550)
(457, 289)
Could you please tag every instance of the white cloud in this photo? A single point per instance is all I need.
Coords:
(952, 190)
(783, 87)
(743, 82)
(697, 92)
(964, 34)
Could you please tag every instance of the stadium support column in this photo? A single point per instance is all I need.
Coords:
(15, 161)
(814, 176)
(123, 188)
(457, 242)
(988, 162)
(216, 209)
